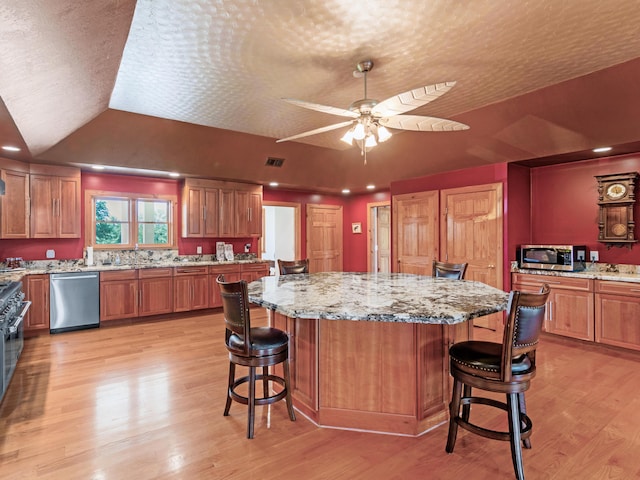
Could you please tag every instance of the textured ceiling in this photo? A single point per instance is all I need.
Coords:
(70, 67)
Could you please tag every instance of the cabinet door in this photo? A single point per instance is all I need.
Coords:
(200, 296)
(118, 299)
(37, 291)
(43, 196)
(68, 207)
(231, 274)
(571, 313)
(15, 205)
(227, 213)
(255, 214)
(156, 296)
(248, 213)
(211, 212)
(193, 212)
(618, 320)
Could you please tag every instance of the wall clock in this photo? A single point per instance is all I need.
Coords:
(616, 200)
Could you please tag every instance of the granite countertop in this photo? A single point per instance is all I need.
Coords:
(391, 297)
(602, 272)
(79, 266)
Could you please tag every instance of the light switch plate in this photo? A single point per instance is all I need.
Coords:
(593, 256)
(199, 249)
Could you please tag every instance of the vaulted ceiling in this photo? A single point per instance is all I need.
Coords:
(196, 86)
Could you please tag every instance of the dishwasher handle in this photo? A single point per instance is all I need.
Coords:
(66, 276)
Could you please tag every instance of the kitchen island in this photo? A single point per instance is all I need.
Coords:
(369, 351)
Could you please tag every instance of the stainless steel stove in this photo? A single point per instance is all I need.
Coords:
(13, 308)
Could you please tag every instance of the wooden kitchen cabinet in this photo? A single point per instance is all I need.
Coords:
(155, 291)
(118, 294)
(191, 288)
(231, 274)
(55, 201)
(254, 271)
(214, 208)
(14, 204)
(37, 291)
(617, 313)
(241, 211)
(201, 205)
(570, 307)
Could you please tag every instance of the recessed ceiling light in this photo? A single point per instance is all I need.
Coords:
(346, 190)
(174, 174)
(10, 148)
(273, 184)
(370, 187)
(98, 167)
(601, 149)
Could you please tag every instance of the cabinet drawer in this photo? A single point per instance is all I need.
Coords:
(155, 272)
(178, 271)
(119, 275)
(568, 283)
(618, 288)
(255, 267)
(218, 269)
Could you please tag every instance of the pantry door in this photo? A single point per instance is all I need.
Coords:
(324, 238)
(472, 233)
(415, 232)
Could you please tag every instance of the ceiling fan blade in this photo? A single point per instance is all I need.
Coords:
(419, 123)
(316, 131)
(322, 108)
(407, 101)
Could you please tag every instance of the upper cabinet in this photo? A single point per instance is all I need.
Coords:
(212, 208)
(14, 204)
(55, 202)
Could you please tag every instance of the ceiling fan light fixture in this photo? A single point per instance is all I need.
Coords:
(383, 133)
(358, 132)
(348, 136)
(370, 142)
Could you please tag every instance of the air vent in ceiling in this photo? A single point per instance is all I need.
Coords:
(274, 162)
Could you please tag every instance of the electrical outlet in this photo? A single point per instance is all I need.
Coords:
(593, 256)
(51, 254)
(580, 255)
(199, 249)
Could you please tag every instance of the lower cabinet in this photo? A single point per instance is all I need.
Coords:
(155, 291)
(254, 271)
(617, 317)
(191, 288)
(36, 289)
(231, 274)
(570, 307)
(118, 295)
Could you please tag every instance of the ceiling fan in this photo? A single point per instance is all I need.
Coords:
(370, 118)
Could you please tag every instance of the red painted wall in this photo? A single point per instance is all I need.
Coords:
(354, 209)
(564, 205)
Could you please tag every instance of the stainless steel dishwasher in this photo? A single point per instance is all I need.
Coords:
(75, 301)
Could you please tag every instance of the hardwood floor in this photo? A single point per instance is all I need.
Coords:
(145, 401)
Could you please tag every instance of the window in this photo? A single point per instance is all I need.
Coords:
(117, 220)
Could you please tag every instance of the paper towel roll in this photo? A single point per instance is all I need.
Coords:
(89, 255)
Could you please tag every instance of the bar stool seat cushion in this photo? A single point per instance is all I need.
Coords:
(264, 341)
(484, 358)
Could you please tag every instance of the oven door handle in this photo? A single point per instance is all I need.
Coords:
(14, 328)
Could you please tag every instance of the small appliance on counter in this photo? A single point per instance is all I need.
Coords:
(566, 258)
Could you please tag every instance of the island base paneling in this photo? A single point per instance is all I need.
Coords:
(375, 376)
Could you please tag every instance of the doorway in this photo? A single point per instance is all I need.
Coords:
(379, 237)
(281, 232)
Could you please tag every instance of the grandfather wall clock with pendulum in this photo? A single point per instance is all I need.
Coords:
(616, 199)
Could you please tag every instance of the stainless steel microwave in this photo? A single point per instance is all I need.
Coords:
(567, 258)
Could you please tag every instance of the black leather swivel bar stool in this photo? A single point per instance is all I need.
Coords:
(449, 270)
(504, 368)
(252, 347)
(287, 267)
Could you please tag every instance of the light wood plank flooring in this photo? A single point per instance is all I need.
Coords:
(145, 401)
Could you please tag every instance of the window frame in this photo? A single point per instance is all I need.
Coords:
(132, 198)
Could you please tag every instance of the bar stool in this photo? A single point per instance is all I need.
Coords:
(504, 368)
(252, 347)
(288, 267)
(449, 270)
